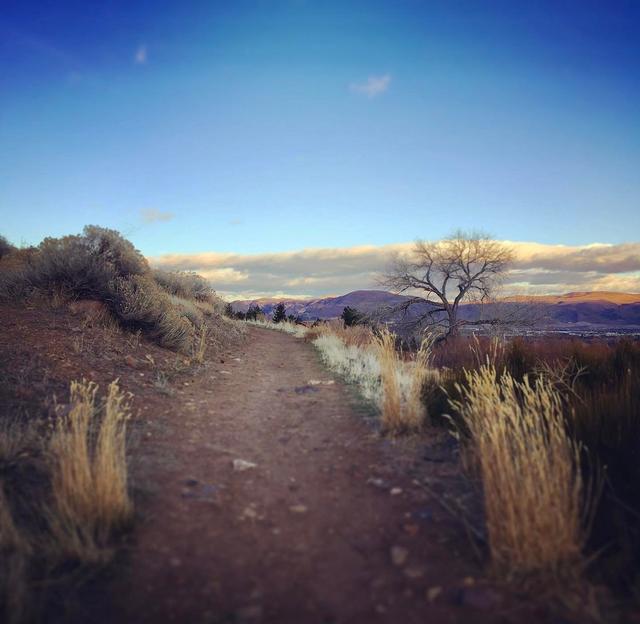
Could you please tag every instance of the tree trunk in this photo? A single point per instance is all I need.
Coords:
(453, 322)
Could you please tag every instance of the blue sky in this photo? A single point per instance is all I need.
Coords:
(263, 127)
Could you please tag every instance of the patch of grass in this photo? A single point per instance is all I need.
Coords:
(370, 359)
(200, 344)
(89, 469)
(63, 499)
(535, 499)
(299, 331)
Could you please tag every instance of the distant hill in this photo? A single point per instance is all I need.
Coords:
(578, 310)
(602, 296)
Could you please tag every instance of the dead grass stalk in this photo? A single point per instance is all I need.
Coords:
(536, 502)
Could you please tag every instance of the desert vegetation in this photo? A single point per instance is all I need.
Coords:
(64, 497)
(548, 430)
(100, 265)
(65, 493)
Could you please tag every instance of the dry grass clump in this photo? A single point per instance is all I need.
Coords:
(89, 473)
(535, 499)
(393, 418)
(396, 384)
(63, 498)
(199, 348)
(352, 335)
(357, 365)
(403, 384)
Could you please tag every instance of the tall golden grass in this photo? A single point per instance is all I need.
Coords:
(536, 502)
(200, 344)
(89, 473)
(394, 420)
(403, 384)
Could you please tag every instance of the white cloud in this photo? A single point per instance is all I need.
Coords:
(151, 215)
(538, 268)
(373, 86)
(140, 56)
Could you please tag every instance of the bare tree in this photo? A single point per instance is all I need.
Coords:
(441, 275)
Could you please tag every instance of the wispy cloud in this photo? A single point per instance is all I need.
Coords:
(372, 86)
(538, 269)
(140, 56)
(151, 215)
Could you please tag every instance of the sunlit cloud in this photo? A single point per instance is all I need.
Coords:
(537, 269)
(151, 215)
(372, 86)
(140, 56)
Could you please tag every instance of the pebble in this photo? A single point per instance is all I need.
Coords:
(379, 483)
(396, 491)
(298, 509)
(240, 465)
(399, 555)
(433, 593)
(250, 513)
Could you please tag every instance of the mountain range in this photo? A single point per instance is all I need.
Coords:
(578, 310)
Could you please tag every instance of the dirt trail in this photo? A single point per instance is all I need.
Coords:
(304, 536)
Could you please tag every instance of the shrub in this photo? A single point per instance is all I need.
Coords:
(5, 247)
(185, 284)
(85, 265)
(101, 265)
(140, 303)
(351, 316)
(189, 309)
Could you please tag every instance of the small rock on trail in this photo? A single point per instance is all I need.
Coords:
(240, 465)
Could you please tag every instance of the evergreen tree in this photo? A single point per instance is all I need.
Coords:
(351, 316)
(279, 313)
(228, 310)
(253, 311)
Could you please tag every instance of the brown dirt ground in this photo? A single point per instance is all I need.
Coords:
(307, 535)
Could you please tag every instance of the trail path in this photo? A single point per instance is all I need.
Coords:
(311, 534)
